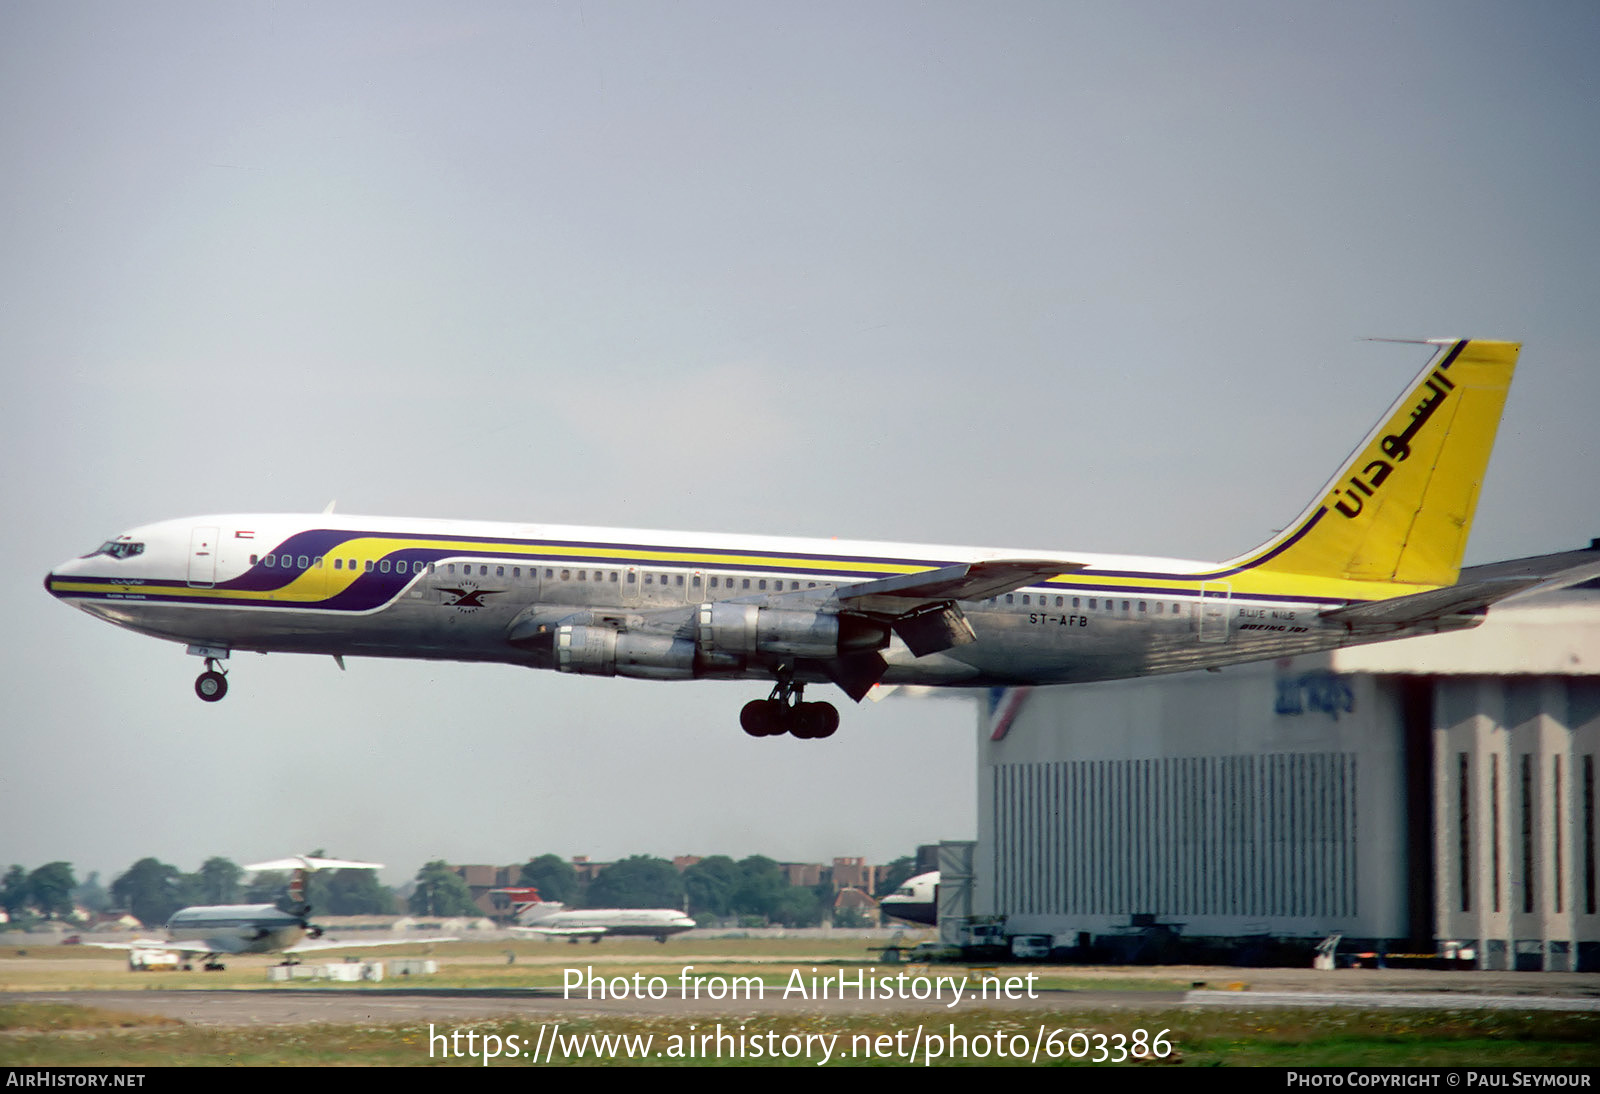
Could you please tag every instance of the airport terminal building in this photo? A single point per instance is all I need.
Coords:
(1417, 796)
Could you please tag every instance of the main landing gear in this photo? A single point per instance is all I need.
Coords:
(212, 684)
(784, 712)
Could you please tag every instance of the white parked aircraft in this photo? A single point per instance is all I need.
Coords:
(211, 932)
(916, 901)
(549, 918)
(1375, 556)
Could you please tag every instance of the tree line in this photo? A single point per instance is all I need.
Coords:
(753, 891)
(151, 890)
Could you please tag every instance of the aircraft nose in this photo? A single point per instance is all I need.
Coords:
(57, 577)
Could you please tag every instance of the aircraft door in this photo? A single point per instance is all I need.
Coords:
(1216, 608)
(203, 557)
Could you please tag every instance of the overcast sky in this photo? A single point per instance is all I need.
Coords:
(1081, 276)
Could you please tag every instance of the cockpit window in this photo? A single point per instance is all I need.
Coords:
(118, 548)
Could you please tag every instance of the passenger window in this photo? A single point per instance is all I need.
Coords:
(583, 575)
(1094, 602)
(762, 584)
(304, 562)
(383, 566)
(566, 575)
(613, 577)
(369, 565)
(252, 560)
(679, 581)
(746, 583)
(1011, 598)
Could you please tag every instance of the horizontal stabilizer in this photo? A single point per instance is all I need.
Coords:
(1467, 598)
(963, 581)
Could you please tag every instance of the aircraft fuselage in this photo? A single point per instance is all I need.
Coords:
(1362, 563)
(384, 587)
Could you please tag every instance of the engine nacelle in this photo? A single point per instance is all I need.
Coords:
(749, 628)
(603, 651)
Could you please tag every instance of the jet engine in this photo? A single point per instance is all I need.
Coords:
(605, 651)
(745, 629)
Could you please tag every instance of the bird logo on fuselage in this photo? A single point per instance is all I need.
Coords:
(468, 599)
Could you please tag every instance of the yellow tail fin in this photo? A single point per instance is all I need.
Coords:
(1400, 509)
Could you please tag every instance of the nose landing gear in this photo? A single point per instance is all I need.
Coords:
(784, 712)
(212, 684)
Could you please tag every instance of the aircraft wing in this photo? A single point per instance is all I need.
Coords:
(963, 581)
(309, 945)
(562, 932)
(1465, 598)
(305, 862)
(190, 946)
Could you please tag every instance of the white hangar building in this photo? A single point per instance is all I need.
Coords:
(1405, 795)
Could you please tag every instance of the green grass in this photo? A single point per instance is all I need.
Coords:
(50, 1035)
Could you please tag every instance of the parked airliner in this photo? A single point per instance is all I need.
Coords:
(213, 931)
(916, 901)
(1375, 556)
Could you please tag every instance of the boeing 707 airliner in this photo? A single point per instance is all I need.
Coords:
(1375, 556)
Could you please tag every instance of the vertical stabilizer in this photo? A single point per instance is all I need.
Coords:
(1400, 509)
